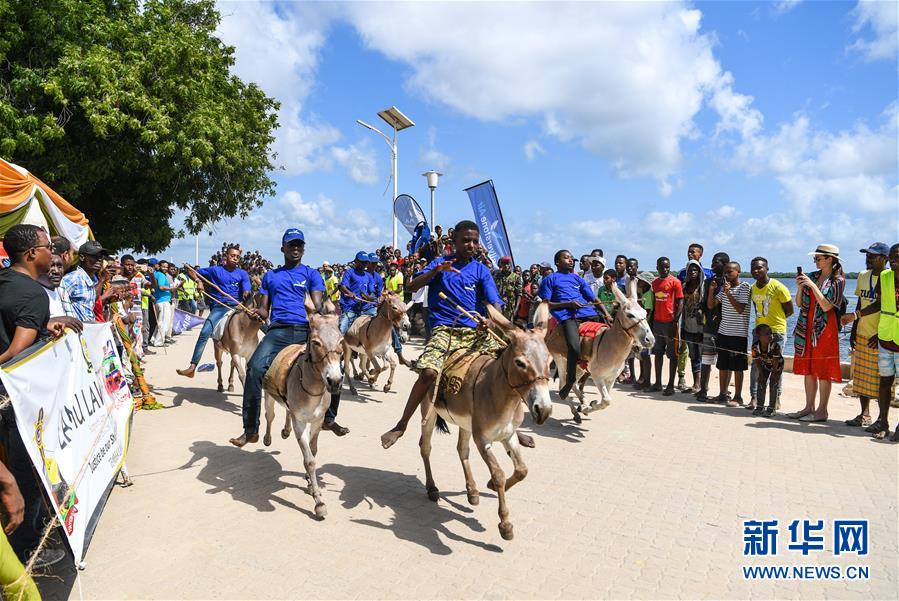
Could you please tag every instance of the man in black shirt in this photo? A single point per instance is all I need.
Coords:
(24, 317)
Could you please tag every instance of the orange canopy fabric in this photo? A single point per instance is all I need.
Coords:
(16, 188)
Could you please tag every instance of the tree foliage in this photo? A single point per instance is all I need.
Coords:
(129, 110)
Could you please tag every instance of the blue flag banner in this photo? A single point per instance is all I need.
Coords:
(183, 321)
(489, 218)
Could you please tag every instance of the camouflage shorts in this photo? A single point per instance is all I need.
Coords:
(445, 339)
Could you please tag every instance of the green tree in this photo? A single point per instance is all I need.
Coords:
(129, 110)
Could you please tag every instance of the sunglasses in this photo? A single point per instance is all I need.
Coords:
(47, 246)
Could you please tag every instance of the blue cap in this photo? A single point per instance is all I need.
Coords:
(291, 235)
(362, 256)
(152, 261)
(373, 258)
(878, 248)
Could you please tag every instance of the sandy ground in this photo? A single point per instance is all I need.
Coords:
(645, 499)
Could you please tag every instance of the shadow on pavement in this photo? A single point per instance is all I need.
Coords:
(833, 427)
(249, 476)
(204, 397)
(415, 518)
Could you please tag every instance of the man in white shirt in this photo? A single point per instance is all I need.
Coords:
(593, 277)
(60, 306)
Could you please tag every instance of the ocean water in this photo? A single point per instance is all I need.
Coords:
(791, 321)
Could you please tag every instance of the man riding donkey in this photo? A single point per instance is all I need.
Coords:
(572, 302)
(228, 280)
(467, 283)
(376, 286)
(284, 293)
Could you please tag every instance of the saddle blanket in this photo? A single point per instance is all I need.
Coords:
(275, 378)
(219, 329)
(455, 369)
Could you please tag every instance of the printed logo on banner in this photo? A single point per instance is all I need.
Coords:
(64, 499)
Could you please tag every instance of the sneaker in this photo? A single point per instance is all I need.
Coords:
(681, 383)
(769, 412)
(758, 411)
(47, 557)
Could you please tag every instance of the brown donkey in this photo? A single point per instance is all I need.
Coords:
(240, 339)
(371, 337)
(301, 379)
(487, 407)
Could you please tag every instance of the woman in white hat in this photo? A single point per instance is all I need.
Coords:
(816, 338)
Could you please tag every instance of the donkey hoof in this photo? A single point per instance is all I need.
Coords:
(434, 494)
(267, 440)
(285, 433)
(358, 377)
(230, 387)
(505, 530)
(353, 391)
(603, 404)
(386, 387)
(321, 511)
(221, 388)
(577, 418)
(474, 498)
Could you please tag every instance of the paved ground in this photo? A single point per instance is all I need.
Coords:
(645, 499)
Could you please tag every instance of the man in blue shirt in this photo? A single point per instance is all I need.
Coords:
(354, 286)
(468, 283)
(284, 293)
(234, 281)
(162, 292)
(375, 284)
(569, 298)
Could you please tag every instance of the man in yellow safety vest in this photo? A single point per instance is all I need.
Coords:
(888, 337)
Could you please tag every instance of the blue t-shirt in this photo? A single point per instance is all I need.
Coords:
(375, 284)
(469, 288)
(287, 289)
(236, 283)
(356, 282)
(564, 287)
(162, 296)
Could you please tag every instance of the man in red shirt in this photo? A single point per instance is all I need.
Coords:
(668, 301)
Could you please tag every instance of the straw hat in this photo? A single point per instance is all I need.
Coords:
(830, 250)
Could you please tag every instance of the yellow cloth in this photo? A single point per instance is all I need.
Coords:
(888, 327)
(768, 305)
(865, 289)
(11, 570)
(331, 288)
(395, 283)
(16, 187)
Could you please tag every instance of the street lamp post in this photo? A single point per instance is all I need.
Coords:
(432, 177)
(398, 121)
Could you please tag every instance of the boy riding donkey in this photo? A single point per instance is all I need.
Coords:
(467, 283)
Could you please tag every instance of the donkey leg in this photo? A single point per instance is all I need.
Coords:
(424, 446)
(391, 358)
(497, 483)
(231, 375)
(347, 364)
(463, 447)
(304, 437)
(269, 418)
(218, 363)
(285, 431)
(521, 470)
(375, 370)
(241, 363)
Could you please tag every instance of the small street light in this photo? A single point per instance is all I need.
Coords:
(398, 121)
(432, 177)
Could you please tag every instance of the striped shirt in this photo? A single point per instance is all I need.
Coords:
(733, 323)
(81, 290)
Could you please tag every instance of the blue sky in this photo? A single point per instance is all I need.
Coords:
(755, 128)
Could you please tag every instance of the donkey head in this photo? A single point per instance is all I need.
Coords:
(632, 317)
(395, 309)
(526, 361)
(325, 344)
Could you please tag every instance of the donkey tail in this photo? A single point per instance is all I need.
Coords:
(441, 425)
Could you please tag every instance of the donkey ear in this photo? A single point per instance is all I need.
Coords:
(310, 306)
(499, 319)
(632, 289)
(327, 307)
(541, 316)
(619, 295)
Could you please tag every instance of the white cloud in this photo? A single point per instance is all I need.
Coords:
(279, 51)
(668, 224)
(823, 170)
(334, 232)
(306, 213)
(723, 212)
(625, 80)
(882, 18)
(358, 160)
(532, 148)
(785, 6)
(432, 157)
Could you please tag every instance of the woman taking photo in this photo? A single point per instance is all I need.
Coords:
(819, 295)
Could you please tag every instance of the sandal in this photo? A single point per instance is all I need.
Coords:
(895, 436)
(880, 435)
(858, 420)
(798, 414)
(875, 427)
(655, 388)
(669, 391)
